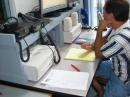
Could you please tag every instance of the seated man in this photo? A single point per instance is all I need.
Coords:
(116, 46)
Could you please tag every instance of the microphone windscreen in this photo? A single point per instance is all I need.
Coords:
(74, 17)
(67, 24)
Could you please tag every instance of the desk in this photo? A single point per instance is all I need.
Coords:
(84, 66)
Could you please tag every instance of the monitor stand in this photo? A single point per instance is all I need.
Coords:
(52, 14)
(65, 9)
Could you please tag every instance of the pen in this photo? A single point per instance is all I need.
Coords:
(76, 68)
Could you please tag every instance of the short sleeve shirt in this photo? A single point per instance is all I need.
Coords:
(118, 49)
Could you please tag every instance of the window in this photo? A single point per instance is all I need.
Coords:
(93, 7)
(4, 10)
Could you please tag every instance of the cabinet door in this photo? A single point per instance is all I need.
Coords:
(8, 91)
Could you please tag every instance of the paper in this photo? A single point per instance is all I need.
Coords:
(67, 79)
(88, 40)
(91, 34)
(83, 40)
(80, 54)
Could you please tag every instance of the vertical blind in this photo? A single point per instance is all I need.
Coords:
(93, 7)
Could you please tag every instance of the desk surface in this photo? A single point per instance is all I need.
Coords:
(84, 66)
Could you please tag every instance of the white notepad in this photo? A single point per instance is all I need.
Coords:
(67, 79)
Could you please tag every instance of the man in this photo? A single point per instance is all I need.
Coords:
(116, 46)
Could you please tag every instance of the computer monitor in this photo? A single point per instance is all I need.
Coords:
(48, 6)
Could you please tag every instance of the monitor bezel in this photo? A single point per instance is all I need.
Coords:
(51, 9)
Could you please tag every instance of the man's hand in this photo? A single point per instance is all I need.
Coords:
(102, 25)
(87, 46)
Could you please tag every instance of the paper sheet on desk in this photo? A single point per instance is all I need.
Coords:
(80, 54)
(90, 35)
(67, 79)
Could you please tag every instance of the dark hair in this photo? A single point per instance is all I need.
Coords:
(119, 8)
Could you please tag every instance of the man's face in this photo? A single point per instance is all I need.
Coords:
(108, 17)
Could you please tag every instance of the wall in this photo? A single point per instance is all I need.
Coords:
(23, 6)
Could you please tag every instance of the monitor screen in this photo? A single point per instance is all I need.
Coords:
(52, 5)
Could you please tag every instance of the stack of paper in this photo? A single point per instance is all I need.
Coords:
(67, 79)
(80, 54)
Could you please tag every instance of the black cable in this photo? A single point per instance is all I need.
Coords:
(59, 57)
(9, 26)
(58, 53)
(24, 17)
(6, 27)
(56, 61)
(7, 22)
(52, 51)
(12, 18)
(35, 8)
(21, 52)
(28, 17)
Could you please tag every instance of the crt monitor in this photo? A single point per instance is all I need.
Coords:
(48, 6)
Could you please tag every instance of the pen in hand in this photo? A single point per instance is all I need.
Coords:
(76, 68)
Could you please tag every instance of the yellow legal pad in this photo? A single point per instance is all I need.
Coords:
(80, 54)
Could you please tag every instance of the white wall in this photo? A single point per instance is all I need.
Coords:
(23, 6)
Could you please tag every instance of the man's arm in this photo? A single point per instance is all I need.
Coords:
(100, 40)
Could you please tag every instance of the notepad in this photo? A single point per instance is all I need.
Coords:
(80, 54)
(67, 79)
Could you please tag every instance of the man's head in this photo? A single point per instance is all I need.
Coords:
(116, 10)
